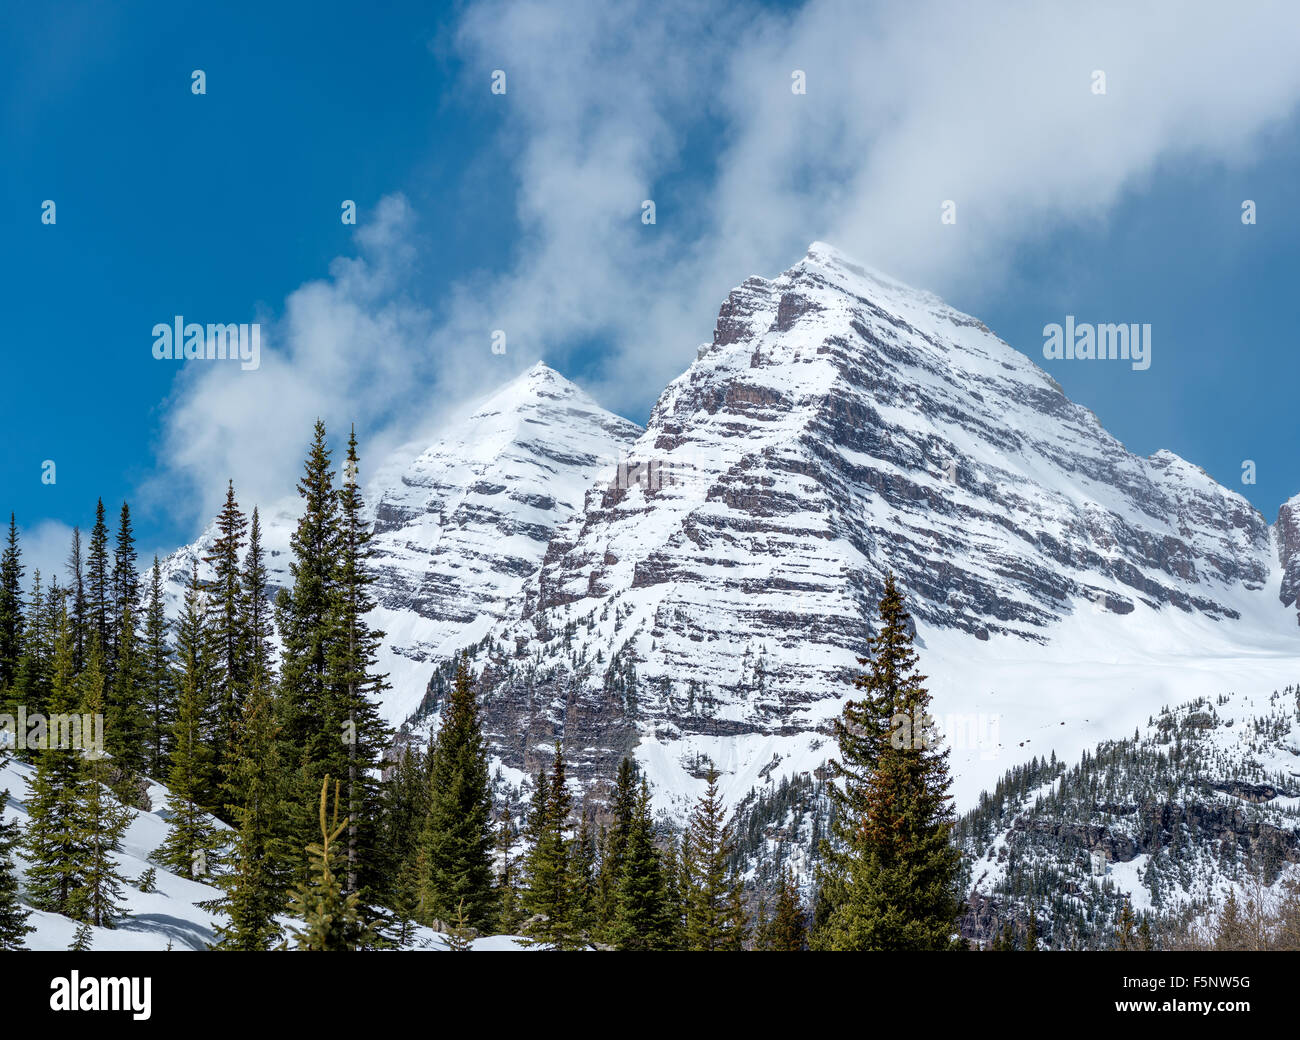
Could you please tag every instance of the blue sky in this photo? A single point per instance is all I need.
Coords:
(522, 212)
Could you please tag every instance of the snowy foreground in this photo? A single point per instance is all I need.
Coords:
(169, 918)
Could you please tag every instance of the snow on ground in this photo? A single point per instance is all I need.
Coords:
(169, 918)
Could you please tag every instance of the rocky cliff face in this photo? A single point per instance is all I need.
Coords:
(1288, 551)
(840, 425)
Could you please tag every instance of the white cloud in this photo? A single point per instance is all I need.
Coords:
(907, 105)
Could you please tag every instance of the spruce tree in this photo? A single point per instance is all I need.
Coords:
(11, 609)
(258, 627)
(353, 686)
(227, 615)
(892, 871)
(158, 685)
(458, 835)
(623, 807)
(128, 730)
(13, 915)
(124, 585)
(191, 838)
(77, 617)
(547, 896)
(256, 888)
(101, 817)
(56, 841)
(715, 918)
(644, 917)
(331, 919)
(99, 592)
(304, 615)
(32, 686)
(786, 931)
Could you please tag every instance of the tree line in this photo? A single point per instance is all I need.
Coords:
(288, 793)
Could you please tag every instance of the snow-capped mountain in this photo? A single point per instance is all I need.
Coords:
(712, 599)
(460, 526)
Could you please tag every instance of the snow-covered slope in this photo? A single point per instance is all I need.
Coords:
(460, 526)
(839, 426)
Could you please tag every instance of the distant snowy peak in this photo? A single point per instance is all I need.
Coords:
(460, 526)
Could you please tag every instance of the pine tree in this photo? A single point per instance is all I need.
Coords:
(715, 919)
(305, 615)
(83, 939)
(99, 593)
(623, 807)
(644, 917)
(1031, 933)
(11, 609)
(891, 875)
(128, 734)
(227, 620)
(331, 919)
(158, 686)
(256, 888)
(508, 921)
(102, 819)
(191, 838)
(458, 827)
(124, 585)
(353, 685)
(33, 684)
(56, 841)
(77, 617)
(786, 931)
(13, 915)
(546, 866)
(1124, 928)
(258, 627)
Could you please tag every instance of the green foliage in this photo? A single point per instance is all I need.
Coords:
(890, 876)
(458, 838)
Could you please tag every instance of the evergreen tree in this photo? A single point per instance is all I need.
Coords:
(786, 931)
(891, 875)
(623, 807)
(715, 918)
(77, 617)
(11, 609)
(191, 839)
(508, 921)
(56, 841)
(331, 919)
(33, 684)
(546, 866)
(1125, 939)
(458, 827)
(158, 686)
(13, 915)
(644, 918)
(255, 890)
(258, 627)
(353, 685)
(99, 592)
(304, 615)
(124, 585)
(83, 939)
(102, 819)
(227, 615)
(128, 731)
